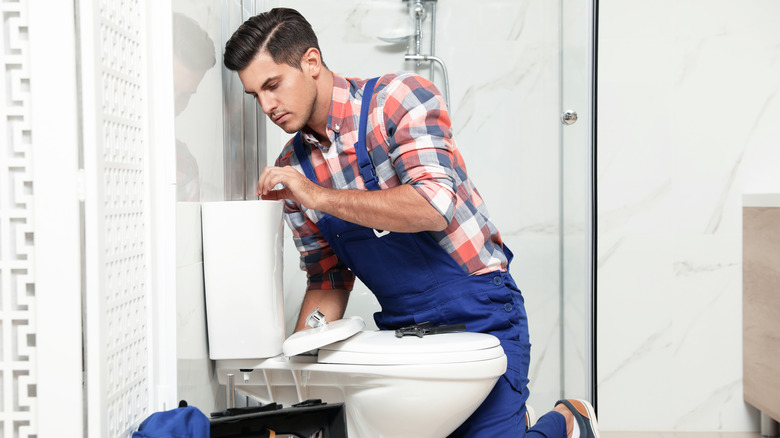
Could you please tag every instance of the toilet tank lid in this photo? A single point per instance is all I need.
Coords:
(384, 348)
(312, 339)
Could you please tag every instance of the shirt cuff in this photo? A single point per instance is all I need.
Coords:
(333, 279)
(440, 197)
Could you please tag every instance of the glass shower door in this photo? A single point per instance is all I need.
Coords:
(578, 30)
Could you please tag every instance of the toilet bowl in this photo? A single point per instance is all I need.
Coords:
(391, 387)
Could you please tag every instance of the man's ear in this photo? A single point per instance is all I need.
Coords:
(312, 62)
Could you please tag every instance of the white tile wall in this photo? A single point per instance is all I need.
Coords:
(687, 110)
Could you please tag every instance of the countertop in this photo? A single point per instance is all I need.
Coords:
(761, 199)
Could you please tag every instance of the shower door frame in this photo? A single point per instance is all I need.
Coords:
(578, 70)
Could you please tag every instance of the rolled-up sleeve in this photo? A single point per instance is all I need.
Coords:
(418, 136)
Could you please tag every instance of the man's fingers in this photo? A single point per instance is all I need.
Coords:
(268, 180)
(278, 183)
(275, 195)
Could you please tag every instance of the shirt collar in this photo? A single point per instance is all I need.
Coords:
(338, 106)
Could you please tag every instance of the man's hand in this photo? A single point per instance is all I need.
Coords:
(294, 186)
(331, 303)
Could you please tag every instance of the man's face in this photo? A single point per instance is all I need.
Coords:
(285, 94)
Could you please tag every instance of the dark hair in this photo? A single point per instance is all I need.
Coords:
(283, 32)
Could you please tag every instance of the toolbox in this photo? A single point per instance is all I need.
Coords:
(309, 419)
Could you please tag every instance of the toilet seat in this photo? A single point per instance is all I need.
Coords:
(384, 348)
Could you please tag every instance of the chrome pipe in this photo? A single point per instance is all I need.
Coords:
(428, 58)
(231, 391)
(433, 36)
(417, 12)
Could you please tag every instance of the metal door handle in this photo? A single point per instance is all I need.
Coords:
(569, 117)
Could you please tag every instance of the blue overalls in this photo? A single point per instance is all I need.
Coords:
(415, 280)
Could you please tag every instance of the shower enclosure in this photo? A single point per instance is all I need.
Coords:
(520, 80)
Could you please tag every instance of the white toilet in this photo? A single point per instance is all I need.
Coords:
(391, 387)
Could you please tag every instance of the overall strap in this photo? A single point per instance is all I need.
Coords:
(364, 161)
(302, 158)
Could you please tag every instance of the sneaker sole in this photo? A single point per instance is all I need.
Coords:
(592, 417)
(591, 413)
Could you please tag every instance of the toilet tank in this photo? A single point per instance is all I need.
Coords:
(242, 264)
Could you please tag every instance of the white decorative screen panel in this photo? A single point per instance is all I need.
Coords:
(115, 90)
(17, 276)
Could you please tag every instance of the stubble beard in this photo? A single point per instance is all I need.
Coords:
(305, 120)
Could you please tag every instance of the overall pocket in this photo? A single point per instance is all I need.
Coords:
(391, 265)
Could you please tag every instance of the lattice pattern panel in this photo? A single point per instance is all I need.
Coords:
(121, 77)
(17, 281)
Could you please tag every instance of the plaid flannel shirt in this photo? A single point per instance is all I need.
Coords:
(409, 139)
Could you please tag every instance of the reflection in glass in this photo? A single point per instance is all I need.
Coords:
(193, 56)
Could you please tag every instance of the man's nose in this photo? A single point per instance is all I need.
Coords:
(266, 103)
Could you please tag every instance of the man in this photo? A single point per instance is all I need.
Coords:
(375, 186)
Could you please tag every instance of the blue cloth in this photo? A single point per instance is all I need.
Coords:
(416, 281)
(185, 422)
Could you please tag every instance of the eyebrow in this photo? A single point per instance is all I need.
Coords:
(271, 79)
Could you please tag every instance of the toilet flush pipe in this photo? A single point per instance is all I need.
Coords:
(429, 58)
(268, 386)
(301, 379)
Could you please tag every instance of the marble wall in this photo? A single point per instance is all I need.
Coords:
(686, 105)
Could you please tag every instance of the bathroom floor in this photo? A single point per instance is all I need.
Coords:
(620, 434)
